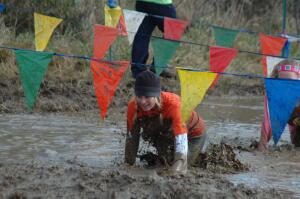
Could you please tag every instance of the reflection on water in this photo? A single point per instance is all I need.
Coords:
(285, 182)
(54, 137)
(49, 137)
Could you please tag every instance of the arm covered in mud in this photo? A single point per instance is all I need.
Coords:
(133, 134)
(132, 144)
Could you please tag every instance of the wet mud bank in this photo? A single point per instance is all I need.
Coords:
(80, 181)
(78, 95)
(74, 178)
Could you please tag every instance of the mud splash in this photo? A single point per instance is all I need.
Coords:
(221, 158)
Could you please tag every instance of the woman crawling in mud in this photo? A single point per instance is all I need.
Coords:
(156, 116)
(286, 69)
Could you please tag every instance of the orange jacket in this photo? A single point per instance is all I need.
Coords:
(170, 109)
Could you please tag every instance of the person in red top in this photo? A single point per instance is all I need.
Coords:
(156, 116)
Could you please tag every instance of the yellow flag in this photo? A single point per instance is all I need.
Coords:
(43, 28)
(194, 85)
(112, 16)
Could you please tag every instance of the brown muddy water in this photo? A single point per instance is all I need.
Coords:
(58, 138)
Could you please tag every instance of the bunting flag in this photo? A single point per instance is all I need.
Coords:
(2, 7)
(286, 49)
(122, 26)
(103, 38)
(224, 36)
(43, 29)
(283, 96)
(107, 77)
(112, 16)
(220, 58)
(270, 45)
(194, 85)
(271, 62)
(32, 67)
(163, 51)
(174, 28)
(133, 20)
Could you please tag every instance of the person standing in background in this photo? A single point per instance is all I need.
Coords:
(140, 46)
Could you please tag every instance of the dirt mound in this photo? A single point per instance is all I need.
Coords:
(220, 158)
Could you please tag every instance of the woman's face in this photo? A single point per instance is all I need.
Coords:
(145, 103)
(288, 75)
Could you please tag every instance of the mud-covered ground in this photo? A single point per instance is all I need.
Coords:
(75, 179)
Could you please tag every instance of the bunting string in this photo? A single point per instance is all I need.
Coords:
(145, 65)
(207, 46)
(243, 30)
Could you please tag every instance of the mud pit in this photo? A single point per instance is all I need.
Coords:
(65, 155)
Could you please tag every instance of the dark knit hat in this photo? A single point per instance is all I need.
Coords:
(147, 84)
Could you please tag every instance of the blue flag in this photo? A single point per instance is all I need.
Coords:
(2, 7)
(286, 49)
(283, 96)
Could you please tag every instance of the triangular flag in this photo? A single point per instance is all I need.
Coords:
(194, 85)
(107, 77)
(103, 38)
(270, 45)
(286, 49)
(174, 28)
(112, 16)
(271, 62)
(163, 50)
(133, 20)
(32, 68)
(224, 36)
(43, 29)
(122, 26)
(2, 7)
(220, 58)
(283, 96)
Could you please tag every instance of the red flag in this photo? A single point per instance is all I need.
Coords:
(122, 26)
(220, 58)
(104, 36)
(270, 45)
(107, 77)
(174, 28)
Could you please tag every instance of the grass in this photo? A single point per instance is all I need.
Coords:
(75, 34)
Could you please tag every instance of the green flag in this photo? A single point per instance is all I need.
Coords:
(32, 67)
(163, 51)
(224, 36)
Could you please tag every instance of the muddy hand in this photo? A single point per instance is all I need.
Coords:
(180, 164)
(131, 147)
